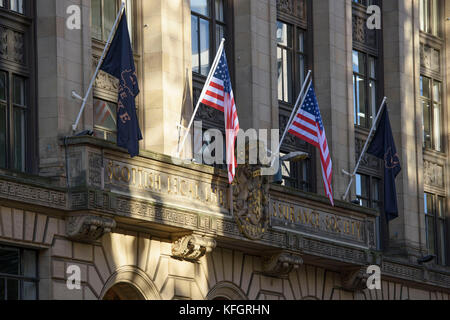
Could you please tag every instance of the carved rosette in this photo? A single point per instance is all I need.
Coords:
(281, 264)
(354, 280)
(192, 247)
(251, 201)
(88, 228)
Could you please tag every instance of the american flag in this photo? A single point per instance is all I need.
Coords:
(308, 126)
(219, 95)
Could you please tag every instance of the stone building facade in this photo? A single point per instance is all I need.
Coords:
(153, 227)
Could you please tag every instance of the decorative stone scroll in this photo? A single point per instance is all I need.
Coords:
(281, 264)
(192, 247)
(88, 228)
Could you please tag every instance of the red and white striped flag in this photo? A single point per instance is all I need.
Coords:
(219, 95)
(308, 126)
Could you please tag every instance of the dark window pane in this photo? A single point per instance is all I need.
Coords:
(3, 86)
(2, 136)
(2, 289)
(19, 91)
(220, 34)
(425, 87)
(359, 62)
(431, 235)
(9, 261)
(17, 6)
(13, 291)
(284, 34)
(19, 139)
(219, 10)
(195, 44)
(360, 100)
(96, 19)
(29, 291)
(200, 6)
(204, 47)
(426, 123)
(109, 14)
(29, 260)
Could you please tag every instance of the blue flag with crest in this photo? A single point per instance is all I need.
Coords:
(383, 147)
(119, 63)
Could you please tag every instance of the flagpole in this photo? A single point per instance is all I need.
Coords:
(364, 150)
(91, 85)
(297, 106)
(202, 95)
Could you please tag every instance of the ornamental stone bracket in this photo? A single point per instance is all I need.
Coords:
(281, 264)
(192, 247)
(355, 279)
(88, 228)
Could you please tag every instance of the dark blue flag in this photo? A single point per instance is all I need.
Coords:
(119, 63)
(383, 147)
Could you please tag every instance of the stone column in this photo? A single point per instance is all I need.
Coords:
(167, 70)
(401, 75)
(64, 64)
(332, 21)
(256, 63)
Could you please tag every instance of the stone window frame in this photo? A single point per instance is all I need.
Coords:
(106, 86)
(298, 14)
(24, 24)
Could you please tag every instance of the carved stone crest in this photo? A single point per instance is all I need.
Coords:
(88, 228)
(251, 200)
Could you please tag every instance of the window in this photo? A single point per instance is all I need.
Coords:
(364, 2)
(291, 61)
(103, 15)
(293, 50)
(364, 88)
(13, 5)
(105, 120)
(431, 97)
(435, 225)
(368, 191)
(208, 28)
(296, 174)
(430, 17)
(18, 274)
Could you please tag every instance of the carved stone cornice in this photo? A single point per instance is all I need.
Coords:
(281, 264)
(88, 228)
(355, 279)
(192, 247)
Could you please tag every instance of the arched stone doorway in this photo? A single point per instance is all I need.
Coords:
(130, 283)
(123, 291)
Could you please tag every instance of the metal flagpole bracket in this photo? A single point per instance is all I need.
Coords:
(77, 96)
(363, 151)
